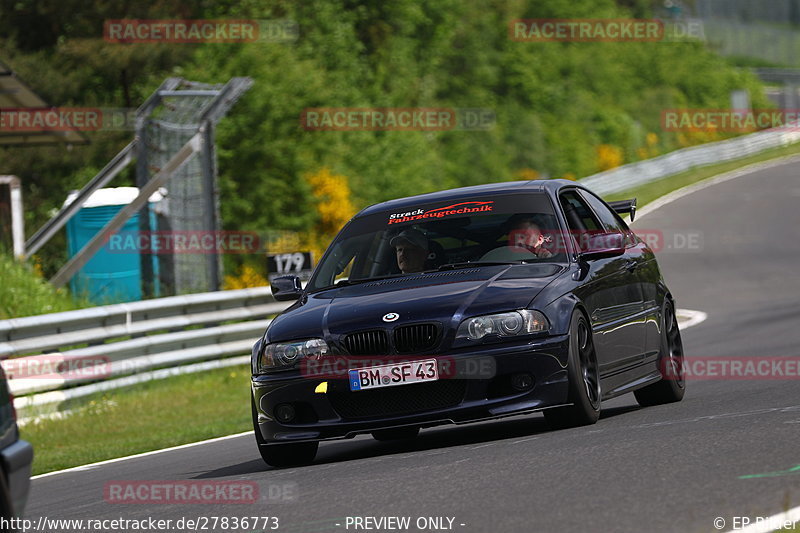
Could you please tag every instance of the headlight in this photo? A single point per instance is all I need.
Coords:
(520, 322)
(280, 355)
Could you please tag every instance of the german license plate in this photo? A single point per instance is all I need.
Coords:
(390, 375)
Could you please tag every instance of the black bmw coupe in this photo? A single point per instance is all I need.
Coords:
(466, 305)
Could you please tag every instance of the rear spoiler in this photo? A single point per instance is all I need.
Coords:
(624, 207)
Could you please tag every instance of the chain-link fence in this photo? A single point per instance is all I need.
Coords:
(782, 12)
(188, 197)
(178, 111)
(766, 30)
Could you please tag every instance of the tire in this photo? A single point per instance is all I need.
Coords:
(672, 386)
(282, 455)
(406, 433)
(583, 378)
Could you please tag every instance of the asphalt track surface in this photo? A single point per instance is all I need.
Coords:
(676, 467)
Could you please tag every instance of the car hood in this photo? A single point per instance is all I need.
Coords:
(446, 297)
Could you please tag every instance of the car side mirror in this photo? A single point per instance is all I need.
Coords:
(601, 245)
(286, 288)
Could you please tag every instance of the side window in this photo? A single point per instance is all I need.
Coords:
(610, 220)
(580, 218)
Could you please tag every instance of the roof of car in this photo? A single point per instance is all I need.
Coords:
(488, 189)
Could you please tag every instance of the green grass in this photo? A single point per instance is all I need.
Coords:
(24, 293)
(651, 191)
(148, 416)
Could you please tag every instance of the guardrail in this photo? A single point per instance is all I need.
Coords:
(123, 339)
(629, 176)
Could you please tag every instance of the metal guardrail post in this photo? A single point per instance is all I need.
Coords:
(17, 220)
(142, 177)
(210, 210)
(225, 98)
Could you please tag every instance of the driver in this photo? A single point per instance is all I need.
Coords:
(411, 247)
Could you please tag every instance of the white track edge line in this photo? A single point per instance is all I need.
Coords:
(768, 524)
(692, 318)
(713, 180)
(145, 454)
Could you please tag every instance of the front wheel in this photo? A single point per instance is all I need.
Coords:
(672, 386)
(584, 379)
(280, 455)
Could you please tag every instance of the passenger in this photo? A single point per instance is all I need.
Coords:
(525, 233)
(411, 247)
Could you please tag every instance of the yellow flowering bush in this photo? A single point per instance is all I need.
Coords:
(527, 174)
(608, 157)
(247, 277)
(334, 208)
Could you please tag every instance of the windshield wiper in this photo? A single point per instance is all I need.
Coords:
(448, 266)
(468, 264)
(346, 282)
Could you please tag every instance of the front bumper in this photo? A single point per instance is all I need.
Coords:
(339, 413)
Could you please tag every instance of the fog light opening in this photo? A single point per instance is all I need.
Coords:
(285, 413)
(522, 382)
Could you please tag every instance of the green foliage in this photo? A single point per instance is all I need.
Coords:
(554, 103)
(24, 292)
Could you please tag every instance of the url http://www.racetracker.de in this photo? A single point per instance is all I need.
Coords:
(44, 524)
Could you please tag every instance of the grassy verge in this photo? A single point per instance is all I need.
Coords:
(23, 292)
(148, 416)
(651, 191)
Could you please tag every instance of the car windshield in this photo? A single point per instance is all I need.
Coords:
(440, 236)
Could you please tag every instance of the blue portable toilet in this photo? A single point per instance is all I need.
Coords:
(113, 274)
